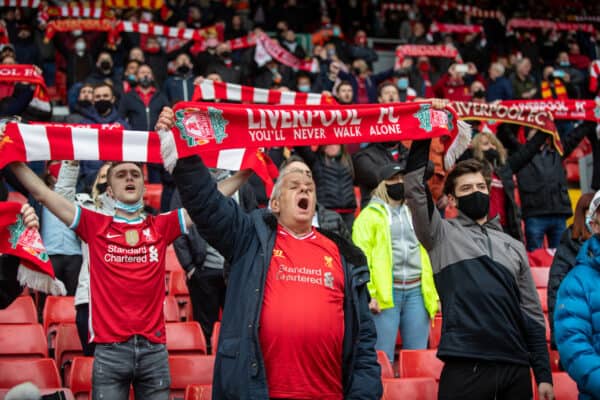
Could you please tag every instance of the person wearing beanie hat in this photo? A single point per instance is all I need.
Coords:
(576, 327)
(403, 294)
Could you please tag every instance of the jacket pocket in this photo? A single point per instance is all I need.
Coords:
(229, 348)
(231, 373)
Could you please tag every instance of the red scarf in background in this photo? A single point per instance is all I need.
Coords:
(27, 73)
(35, 270)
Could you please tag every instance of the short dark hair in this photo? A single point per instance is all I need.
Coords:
(471, 166)
(117, 163)
(105, 84)
(383, 86)
(343, 83)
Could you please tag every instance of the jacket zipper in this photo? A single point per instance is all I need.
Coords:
(489, 242)
(148, 118)
(185, 91)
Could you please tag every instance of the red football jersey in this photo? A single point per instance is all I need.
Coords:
(127, 273)
(302, 318)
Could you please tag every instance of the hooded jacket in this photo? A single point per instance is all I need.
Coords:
(246, 241)
(489, 302)
(576, 321)
(371, 232)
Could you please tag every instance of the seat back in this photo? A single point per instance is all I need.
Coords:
(420, 364)
(214, 339)
(179, 289)
(21, 311)
(80, 381)
(409, 388)
(42, 373)
(18, 341)
(543, 294)
(540, 276)
(190, 370)
(387, 370)
(435, 332)
(185, 338)
(57, 310)
(171, 309)
(565, 388)
(68, 346)
(198, 392)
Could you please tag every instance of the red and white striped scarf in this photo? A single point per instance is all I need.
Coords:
(20, 3)
(526, 23)
(414, 50)
(146, 4)
(267, 48)
(27, 73)
(35, 269)
(467, 9)
(454, 28)
(170, 31)
(210, 90)
(594, 73)
(78, 11)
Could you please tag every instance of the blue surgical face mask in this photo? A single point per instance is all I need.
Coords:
(564, 63)
(402, 83)
(304, 88)
(129, 208)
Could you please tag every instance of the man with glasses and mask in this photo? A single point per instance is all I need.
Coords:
(493, 328)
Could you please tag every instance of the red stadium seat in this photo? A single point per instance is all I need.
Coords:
(17, 197)
(68, 346)
(190, 370)
(541, 257)
(198, 392)
(22, 341)
(42, 373)
(171, 309)
(409, 388)
(171, 260)
(57, 310)
(152, 195)
(185, 338)
(543, 294)
(435, 332)
(80, 381)
(554, 361)
(21, 311)
(387, 370)
(179, 289)
(547, 324)
(420, 364)
(214, 339)
(540, 276)
(565, 388)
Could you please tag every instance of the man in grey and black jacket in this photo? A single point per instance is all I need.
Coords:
(493, 327)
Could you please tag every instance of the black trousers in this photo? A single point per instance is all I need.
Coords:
(66, 268)
(207, 293)
(82, 313)
(482, 380)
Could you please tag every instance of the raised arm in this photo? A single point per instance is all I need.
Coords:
(67, 179)
(233, 183)
(57, 204)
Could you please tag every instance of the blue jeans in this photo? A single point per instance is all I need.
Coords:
(538, 227)
(410, 316)
(137, 362)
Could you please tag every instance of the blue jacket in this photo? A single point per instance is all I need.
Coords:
(178, 88)
(246, 241)
(577, 321)
(499, 89)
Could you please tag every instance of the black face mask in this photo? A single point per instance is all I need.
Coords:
(183, 70)
(356, 71)
(105, 65)
(101, 187)
(491, 155)
(84, 103)
(475, 205)
(479, 94)
(146, 82)
(395, 191)
(226, 54)
(103, 106)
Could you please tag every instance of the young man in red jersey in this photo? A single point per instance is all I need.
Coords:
(127, 275)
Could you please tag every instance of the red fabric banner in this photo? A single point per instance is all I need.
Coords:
(24, 243)
(588, 110)
(222, 126)
(28, 73)
(78, 11)
(274, 50)
(147, 4)
(69, 25)
(416, 50)
(454, 28)
(210, 90)
(526, 23)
